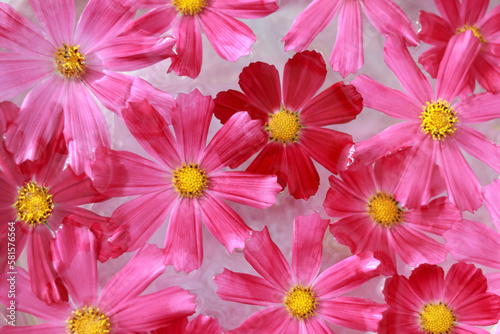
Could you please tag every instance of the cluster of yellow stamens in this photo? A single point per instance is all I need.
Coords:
(190, 180)
(284, 126)
(88, 320)
(384, 210)
(189, 7)
(437, 318)
(438, 119)
(70, 62)
(34, 204)
(475, 31)
(300, 302)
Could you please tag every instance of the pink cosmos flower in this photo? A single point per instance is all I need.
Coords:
(434, 127)
(294, 126)
(371, 218)
(63, 67)
(120, 307)
(297, 299)
(229, 37)
(201, 324)
(429, 302)
(35, 197)
(457, 18)
(347, 54)
(187, 181)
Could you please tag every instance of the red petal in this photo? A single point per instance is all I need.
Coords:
(261, 83)
(302, 177)
(189, 47)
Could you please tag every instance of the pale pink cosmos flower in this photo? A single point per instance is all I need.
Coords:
(428, 302)
(65, 67)
(229, 37)
(297, 299)
(371, 218)
(120, 307)
(347, 54)
(434, 126)
(456, 18)
(187, 182)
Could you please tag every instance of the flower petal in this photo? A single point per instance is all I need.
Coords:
(245, 9)
(302, 177)
(203, 324)
(472, 11)
(261, 83)
(490, 23)
(427, 281)
(435, 217)
(491, 198)
(449, 10)
(230, 102)
(435, 30)
(479, 146)
(155, 22)
(485, 69)
(189, 47)
(479, 108)
(270, 161)
(112, 89)
(431, 59)
(57, 19)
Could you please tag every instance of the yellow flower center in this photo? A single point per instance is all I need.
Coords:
(384, 210)
(189, 7)
(436, 318)
(70, 62)
(34, 204)
(474, 30)
(438, 119)
(284, 126)
(190, 180)
(300, 302)
(88, 320)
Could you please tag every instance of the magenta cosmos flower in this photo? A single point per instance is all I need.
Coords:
(347, 54)
(430, 303)
(65, 66)
(187, 183)
(294, 125)
(120, 307)
(371, 218)
(229, 37)
(297, 299)
(456, 18)
(435, 128)
(35, 197)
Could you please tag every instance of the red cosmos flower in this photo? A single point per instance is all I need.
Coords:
(299, 300)
(430, 303)
(294, 125)
(187, 182)
(371, 218)
(457, 18)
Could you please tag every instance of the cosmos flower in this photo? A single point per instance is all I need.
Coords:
(347, 54)
(434, 126)
(120, 307)
(456, 18)
(294, 126)
(63, 67)
(229, 37)
(299, 300)
(428, 302)
(187, 182)
(371, 218)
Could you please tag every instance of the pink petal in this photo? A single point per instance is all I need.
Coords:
(189, 47)
(449, 10)
(247, 289)
(462, 184)
(431, 59)
(230, 102)
(203, 324)
(480, 147)
(308, 233)
(142, 269)
(317, 326)
(112, 89)
(479, 108)
(485, 69)
(261, 83)
(75, 259)
(184, 239)
(273, 319)
(352, 312)
(435, 30)
(347, 54)
(270, 161)
(57, 19)
(346, 275)
(245, 9)
(401, 297)
(258, 191)
(302, 177)
(308, 24)
(340, 204)
(8, 115)
(154, 22)
(303, 76)
(332, 149)
(389, 19)
(160, 100)
(224, 223)
(490, 24)
(155, 310)
(466, 329)
(491, 198)
(390, 101)
(493, 282)
(435, 217)
(337, 104)
(359, 182)
(48, 328)
(229, 37)
(427, 281)
(473, 10)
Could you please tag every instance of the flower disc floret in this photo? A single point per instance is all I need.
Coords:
(34, 204)
(475, 31)
(438, 119)
(384, 210)
(70, 61)
(189, 7)
(190, 180)
(437, 318)
(88, 320)
(300, 302)
(284, 126)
